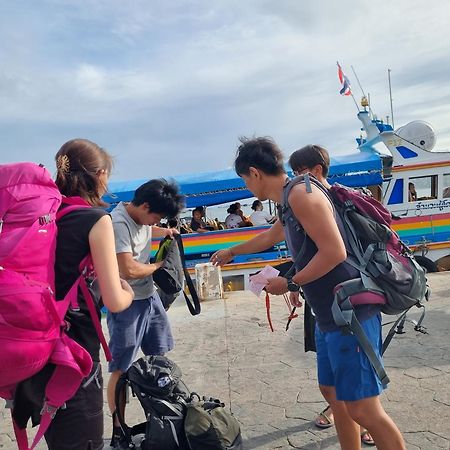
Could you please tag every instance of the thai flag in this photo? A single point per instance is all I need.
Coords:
(346, 88)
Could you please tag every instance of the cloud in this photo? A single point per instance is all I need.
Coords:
(157, 81)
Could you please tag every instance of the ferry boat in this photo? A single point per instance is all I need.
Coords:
(385, 161)
(417, 190)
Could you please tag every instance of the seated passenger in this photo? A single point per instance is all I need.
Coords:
(198, 224)
(412, 194)
(260, 217)
(446, 192)
(236, 217)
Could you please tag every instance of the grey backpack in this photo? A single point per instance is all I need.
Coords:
(389, 275)
(209, 426)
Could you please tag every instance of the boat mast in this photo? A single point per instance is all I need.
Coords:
(390, 97)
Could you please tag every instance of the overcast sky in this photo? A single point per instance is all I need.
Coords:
(168, 86)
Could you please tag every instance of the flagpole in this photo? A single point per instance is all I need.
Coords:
(362, 90)
(390, 97)
(357, 79)
(356, 103)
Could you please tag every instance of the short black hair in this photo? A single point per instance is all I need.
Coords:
(310, 156)
(256, 203)
(233, 208)
(163, 197)
(262, 153)
(200, 209)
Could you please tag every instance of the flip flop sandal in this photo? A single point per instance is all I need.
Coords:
(366, 438)
(323, 420)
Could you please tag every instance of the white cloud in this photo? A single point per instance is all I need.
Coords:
(152, 79)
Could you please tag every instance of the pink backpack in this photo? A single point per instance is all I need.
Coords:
(31, 321)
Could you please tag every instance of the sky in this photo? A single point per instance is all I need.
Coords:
(168, 87)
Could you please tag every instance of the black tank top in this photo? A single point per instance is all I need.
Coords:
(319, 293)
(72, 247)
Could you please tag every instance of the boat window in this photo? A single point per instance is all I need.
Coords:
(425, 188)
(397, 193)
(446, 190)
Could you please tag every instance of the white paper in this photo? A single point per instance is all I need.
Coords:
(259, 280)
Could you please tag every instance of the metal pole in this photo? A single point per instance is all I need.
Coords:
(357, 79)
(356, 103)
(390, 97)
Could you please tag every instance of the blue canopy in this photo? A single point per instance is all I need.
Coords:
(214, 188)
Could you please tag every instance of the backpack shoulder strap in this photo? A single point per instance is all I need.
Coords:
(194, 305)
(308, 180)
(76, 204)
(72, 204)
(119, 399)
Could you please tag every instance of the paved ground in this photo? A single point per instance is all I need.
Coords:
(270, 383)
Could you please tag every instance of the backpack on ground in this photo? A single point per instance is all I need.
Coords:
(389, 274)
(170, 277)
(175, 420)
(31, 321)
(209, 426)
(156, 382)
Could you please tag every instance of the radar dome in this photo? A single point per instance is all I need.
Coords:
(419, 133)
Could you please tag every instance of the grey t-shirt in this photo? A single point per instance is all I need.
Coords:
(135, 239)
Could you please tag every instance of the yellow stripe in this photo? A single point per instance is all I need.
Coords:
(249, 265)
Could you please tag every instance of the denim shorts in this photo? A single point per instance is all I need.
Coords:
(343, 364)
(144, 325)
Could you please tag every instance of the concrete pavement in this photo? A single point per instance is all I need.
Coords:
(270, 384)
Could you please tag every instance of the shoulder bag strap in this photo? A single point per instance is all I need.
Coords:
(194, 305)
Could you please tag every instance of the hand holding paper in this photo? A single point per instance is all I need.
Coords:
(259, 280)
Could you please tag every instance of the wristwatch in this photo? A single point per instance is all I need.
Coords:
(292, 285)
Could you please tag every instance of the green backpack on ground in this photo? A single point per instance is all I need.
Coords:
(209, 426)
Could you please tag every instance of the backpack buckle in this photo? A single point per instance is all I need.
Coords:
(44, 220)
(49, 409)
(349, 204)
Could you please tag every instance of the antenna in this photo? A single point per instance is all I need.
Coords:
(390, 97)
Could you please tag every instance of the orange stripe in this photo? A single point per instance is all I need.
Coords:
(421, 166)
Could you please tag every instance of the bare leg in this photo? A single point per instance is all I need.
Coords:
(111, 394)
(326, 419)
(347, 429)
(370, 414)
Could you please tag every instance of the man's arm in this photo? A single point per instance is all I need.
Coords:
(132, 270)
(128, 267)
(260, 242)
(160, 232)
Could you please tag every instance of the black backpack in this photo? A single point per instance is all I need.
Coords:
(156, 382)
(170, 277)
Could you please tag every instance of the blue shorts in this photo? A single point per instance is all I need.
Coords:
(343, 364)
(143, 325)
